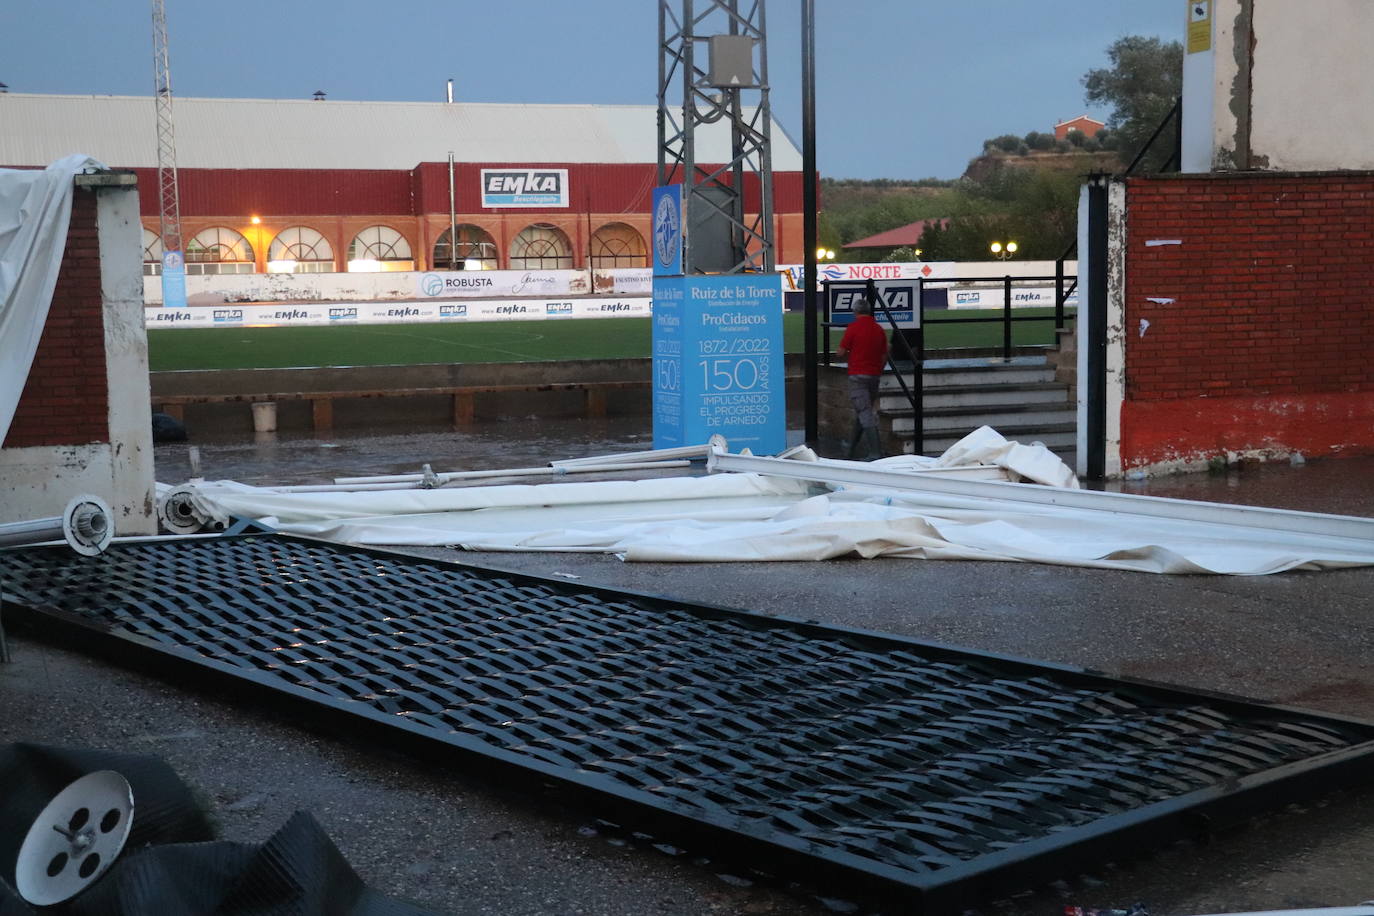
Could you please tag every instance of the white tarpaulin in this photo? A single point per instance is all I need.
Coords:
(756, 517)
(35, 208)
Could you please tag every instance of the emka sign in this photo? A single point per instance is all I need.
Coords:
(535, 188)
(900, 297)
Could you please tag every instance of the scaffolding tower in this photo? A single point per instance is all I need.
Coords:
(713, 68)
(169, 199)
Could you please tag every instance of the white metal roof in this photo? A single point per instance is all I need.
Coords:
(121, 131)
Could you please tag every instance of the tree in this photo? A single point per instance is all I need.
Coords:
(1141, 85)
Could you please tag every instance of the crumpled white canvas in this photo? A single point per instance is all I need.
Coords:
(35, 210)
(752, 518)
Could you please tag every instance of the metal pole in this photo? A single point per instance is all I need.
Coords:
(825, 316)
(1006, 317)
(452, 208)
(809, 208)
(1094, 297)
(918, 383)
(1059, 295)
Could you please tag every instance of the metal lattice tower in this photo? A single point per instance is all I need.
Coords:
(714, 194)
(169, 200)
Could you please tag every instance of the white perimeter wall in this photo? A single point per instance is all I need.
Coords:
(39, 481)
(1286, 86)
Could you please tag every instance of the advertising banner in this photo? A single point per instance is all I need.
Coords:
(929, 270)
(623, 281)
(898, 295)
(718, 362)
(342, 313)
(992, 297)
(668, 231)
(173, 280)
(456, 284)
(527, 188)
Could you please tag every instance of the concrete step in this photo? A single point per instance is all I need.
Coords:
(977, 396)
(1061, 438)
(961, 377)
(997, 416)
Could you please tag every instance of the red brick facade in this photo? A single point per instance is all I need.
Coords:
(1249, 316)
(65, 401)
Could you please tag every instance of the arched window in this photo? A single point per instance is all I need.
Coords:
(152, 253)
(379, 248)
(618, 245)
(476, 250)
(300, 250)
(218, 250)
(541, 247)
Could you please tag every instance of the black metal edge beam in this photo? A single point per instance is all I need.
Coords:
(853, 637)
(1011, 870)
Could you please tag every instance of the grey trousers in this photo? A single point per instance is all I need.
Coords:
(863, 395)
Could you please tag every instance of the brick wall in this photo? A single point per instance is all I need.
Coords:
(65, 401)
(1249, 316)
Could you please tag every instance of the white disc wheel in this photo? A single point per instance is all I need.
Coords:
(88, 525)
(75, 838)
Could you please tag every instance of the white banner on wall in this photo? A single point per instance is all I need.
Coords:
(992, 297)
(230, 289)
(457, 284)
(346, 313)
(928, 270)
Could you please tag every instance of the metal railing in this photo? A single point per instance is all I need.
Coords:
(915, 353)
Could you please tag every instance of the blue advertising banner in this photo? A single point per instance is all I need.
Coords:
(718, 362)
(173, 280)
(668, 239)
(898, 295)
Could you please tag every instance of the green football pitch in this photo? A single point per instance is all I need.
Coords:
(492, 342)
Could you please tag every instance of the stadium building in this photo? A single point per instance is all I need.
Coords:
(333, 186)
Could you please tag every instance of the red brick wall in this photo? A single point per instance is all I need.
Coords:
(65, 401)
(1266, 342)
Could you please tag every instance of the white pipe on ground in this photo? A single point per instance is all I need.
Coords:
(409, 481)
(87, 524)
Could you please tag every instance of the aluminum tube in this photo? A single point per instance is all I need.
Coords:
(1287, 520)
(401, 481)
(659, 454)
(13, 534)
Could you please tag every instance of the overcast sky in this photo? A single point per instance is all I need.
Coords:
(905, 88)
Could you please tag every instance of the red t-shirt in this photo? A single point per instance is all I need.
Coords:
(867, 346)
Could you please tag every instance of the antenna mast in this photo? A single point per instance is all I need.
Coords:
(169, 199)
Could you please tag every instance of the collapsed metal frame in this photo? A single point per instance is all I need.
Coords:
(273, 579)
(719, 189)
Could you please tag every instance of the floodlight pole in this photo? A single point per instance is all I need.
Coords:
(809, 208)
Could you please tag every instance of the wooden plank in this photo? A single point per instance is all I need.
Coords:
(322, 413)
(464, 408)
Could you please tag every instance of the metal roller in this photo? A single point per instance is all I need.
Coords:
(87, 524)
(179, 513)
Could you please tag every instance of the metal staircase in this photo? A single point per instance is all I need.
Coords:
(1018, 397)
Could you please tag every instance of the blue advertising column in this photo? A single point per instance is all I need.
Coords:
(717, 346)
(173, 280)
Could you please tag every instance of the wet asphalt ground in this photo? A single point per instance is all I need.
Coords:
(460, 844)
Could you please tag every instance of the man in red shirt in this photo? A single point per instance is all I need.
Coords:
(864, 345)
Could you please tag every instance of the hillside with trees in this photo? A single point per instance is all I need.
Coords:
(1021, 187)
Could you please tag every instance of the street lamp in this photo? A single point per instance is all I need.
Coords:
(1002, 252)
(825, 254)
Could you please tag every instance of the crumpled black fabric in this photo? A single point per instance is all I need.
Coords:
(171, 864)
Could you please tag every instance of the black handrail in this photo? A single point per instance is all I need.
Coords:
(1177, 156)
(917, 397)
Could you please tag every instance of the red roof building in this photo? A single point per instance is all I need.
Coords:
(908, 236)
(1088, 126)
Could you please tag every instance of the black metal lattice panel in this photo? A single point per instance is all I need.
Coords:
(914, 765)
